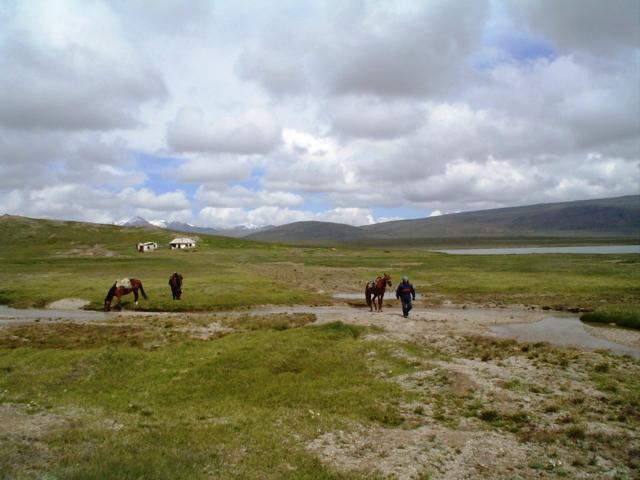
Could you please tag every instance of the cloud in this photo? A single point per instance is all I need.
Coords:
(78, 202)
(467, 185)
(146, 199)
(168, 17)
(52, 78)
(585, 102)
(407, 53)
(37, 159)
(279, 72)
(306, 163)
(354, 106)
(385, 49)
(225, 217)
(370, 117)
(250, 132)
(239, 196)
(585, 25)
(213, 169)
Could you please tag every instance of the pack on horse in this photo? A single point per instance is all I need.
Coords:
(123, 287)
(375, 289)
(175, 282)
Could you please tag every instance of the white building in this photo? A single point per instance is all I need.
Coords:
(147, 246)
(182, 242)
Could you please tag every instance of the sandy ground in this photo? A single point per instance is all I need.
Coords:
(623, 336)
(68, 304)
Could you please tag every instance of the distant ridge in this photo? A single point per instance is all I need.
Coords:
(235, 232)
(610, 217)
(310, 231)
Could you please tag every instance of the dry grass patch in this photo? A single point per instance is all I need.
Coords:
(70, 335)
(274, 321)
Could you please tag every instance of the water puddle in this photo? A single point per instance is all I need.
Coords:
(562, 331)
(360, 296)
(10, 315)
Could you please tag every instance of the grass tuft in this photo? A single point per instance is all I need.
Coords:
(622, 319)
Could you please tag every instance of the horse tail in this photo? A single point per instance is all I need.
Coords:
(110, 293)
(144, 295)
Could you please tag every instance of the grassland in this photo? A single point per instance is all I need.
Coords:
(150, 397)
(233, 394)
(43, 261)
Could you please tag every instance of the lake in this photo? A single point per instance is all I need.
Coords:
(592, 249)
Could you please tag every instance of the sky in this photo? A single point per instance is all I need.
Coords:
(224, 113)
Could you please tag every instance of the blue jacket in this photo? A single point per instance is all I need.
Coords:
(405, 290)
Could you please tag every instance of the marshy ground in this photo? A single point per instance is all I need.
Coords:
(280, 392)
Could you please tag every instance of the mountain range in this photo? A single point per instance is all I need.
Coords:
(236, 232)
(610, 217)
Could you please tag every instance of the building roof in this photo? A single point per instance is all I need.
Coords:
(183, 240)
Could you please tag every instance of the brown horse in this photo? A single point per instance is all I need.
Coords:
(118, 291)
(175, 282)
(375, 290)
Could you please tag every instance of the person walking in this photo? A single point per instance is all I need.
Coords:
(405, 293)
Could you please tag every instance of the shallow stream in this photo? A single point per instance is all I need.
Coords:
(10, 315)
(563, 331)
(389, 295)
(557, 330)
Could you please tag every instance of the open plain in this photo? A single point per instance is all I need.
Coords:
(259, 372)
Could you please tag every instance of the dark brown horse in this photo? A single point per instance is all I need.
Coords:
(175, 282)
(121, 288)
(375, 290)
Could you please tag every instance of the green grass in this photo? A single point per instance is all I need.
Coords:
(43, 261)
(241, 406)
(140, 398)
(621, 315)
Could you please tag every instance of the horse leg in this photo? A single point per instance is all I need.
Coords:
(135, 296)
(380, 300)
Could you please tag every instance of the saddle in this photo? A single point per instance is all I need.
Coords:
(124, 283)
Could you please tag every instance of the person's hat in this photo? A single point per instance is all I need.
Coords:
(405, 279)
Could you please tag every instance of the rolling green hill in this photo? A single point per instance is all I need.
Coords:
(45, 260)
(604, 218)
(22, 235)
(310, 232)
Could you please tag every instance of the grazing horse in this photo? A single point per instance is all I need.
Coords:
(120, 288)
(175, 282)
(375, 290)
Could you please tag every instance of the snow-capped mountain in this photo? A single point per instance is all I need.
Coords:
(158, 223)
(135, 222)
(239, 231)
